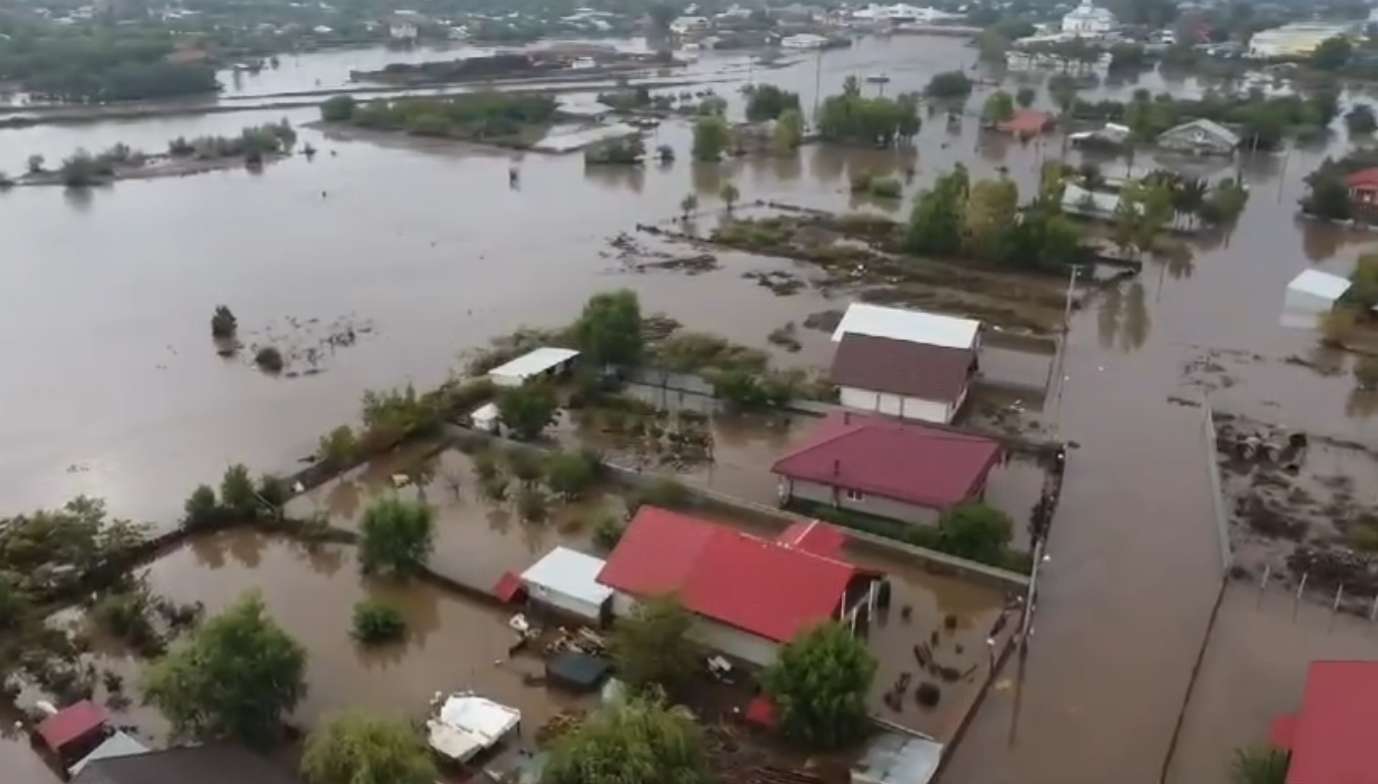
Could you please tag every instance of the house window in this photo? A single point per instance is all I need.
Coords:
(854, 495)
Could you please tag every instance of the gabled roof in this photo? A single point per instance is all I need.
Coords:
(762, 587)
(1027, 122)
(1320, 284)
(909, 462)
(1209, 126)
(1363, 178)
(1332, 738)
(72, 723)
(215, 764)
(914, 326)
(898, 367)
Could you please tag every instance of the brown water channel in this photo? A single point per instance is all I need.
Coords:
(113, 389)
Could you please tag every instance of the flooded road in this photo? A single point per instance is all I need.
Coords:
(113, 388)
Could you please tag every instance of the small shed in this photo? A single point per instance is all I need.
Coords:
(486, 418)
(567, 580)
(465, 725)
(577, 672)
(546, 361)
(1310, 296)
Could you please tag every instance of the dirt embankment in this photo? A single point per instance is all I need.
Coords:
(154, 168)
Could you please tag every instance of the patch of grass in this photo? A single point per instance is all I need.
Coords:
(376, 623)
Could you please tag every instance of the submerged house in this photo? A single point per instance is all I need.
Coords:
(1200, 137)
(749, 595)
(209, 764)
(1310, 296)
(904, 471)
(904, 363)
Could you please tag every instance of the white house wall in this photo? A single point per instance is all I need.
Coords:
(714, 636)
(564, 603)
(896, 405)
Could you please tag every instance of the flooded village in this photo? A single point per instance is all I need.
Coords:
(1104, 536)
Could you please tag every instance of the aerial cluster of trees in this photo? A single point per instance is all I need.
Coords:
(769, 102)
(253, 143)
(851, 118)
(1001, 104)
(626, 151)
(1262, 121)
(984, 221)
(1327, 194)
(96, 66)
(949, 85)
(478, 115)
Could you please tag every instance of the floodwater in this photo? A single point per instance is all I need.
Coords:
(113, 389)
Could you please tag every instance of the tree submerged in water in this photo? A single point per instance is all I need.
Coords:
(224, 325)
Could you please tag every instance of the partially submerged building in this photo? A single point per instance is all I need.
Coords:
(905, 363)
(544, 362)
(208, 764)
(463, 726)
(1200, 137)
(1310, 296)
(566, 581)
(1027, 123)
(750, 596)
(905, 471)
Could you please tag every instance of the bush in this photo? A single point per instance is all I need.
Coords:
(570, 474)
(532, 505)
(338, 448)
(224, 325)
(663, 491)
(525, 464)
(270, 360)
(338, 108)
(201, 508)
(608, 532)
(237, 491)
(395, 536)
(376, 623)
(274, 490)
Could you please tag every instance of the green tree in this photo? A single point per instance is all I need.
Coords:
(570, 474)
(1363, 291)
(651, 646)
(223, 323)
(609, 330)
(35, 164)
(1332, 54)
(1328, 197)
(850, 118)
(1260, 765)
(949, 84)
(363, 748)
(988, 218)
(711, 138)
(377, 622)
(202, 508)
(338, 448)
(688, 205)
(819, 684)
(1025, 97)
(769, 102)
(395, 536)
(975, 531)
(529, 409)
(1360, 120)
(237, 491)
(729, 195)
(338, 108)
(999, 107)
(637, 740)
(235, 679)
(935, 225)
(789, 131)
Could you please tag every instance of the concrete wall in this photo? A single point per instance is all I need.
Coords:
(867, 504)
(897, 405)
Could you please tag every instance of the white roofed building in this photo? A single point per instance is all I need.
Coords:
(1311, 295)
(1088, 20)
(567, 581)
(914, 326)
(545, 361)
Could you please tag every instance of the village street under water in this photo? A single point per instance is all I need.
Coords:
(113, 389)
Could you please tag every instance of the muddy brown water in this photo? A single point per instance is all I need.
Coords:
(114, 390)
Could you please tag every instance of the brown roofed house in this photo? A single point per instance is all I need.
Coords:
(213, 764)
(902, 378)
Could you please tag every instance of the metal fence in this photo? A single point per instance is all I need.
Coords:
(1221, 509)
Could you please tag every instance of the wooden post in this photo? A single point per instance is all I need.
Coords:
(1301, 586)
(1263, 583)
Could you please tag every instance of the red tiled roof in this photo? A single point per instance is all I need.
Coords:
(72, 723)
(905, 461)
(1027, 122)
(755, 585)
(814, 536)
(1332, 742)
(1364, 178)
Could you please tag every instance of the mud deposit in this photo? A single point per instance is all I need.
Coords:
(1303, 508)
(308, 345)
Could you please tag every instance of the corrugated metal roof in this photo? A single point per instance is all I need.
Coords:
(568, 572)
(893, 758)
(537, 361)
(914, 326)
(117, 745)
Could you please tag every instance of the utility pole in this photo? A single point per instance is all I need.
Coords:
(817, 82)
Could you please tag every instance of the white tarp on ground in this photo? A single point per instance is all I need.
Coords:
(466, 724)
(1310, 296)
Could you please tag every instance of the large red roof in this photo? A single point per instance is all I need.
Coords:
(73, 723)
(1332, 739)
(910, 462)
(1364, 178)
(763, 587)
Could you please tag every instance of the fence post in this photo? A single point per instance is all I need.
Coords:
(1263, 583)
(1335, 608)
(1296, 600)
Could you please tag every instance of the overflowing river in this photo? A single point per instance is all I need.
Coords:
(113, 389)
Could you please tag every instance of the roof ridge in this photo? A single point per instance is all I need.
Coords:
(849, 429)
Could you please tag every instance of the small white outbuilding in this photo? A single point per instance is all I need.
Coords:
(486, 418)
(567, 581)
(544, 361)
(1310, 296)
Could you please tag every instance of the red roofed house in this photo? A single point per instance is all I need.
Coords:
(1363, 186)
(1331, 738)
(750, 595)
(1027, 123)
(885, 467)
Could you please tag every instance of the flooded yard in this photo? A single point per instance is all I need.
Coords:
(452, 643)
